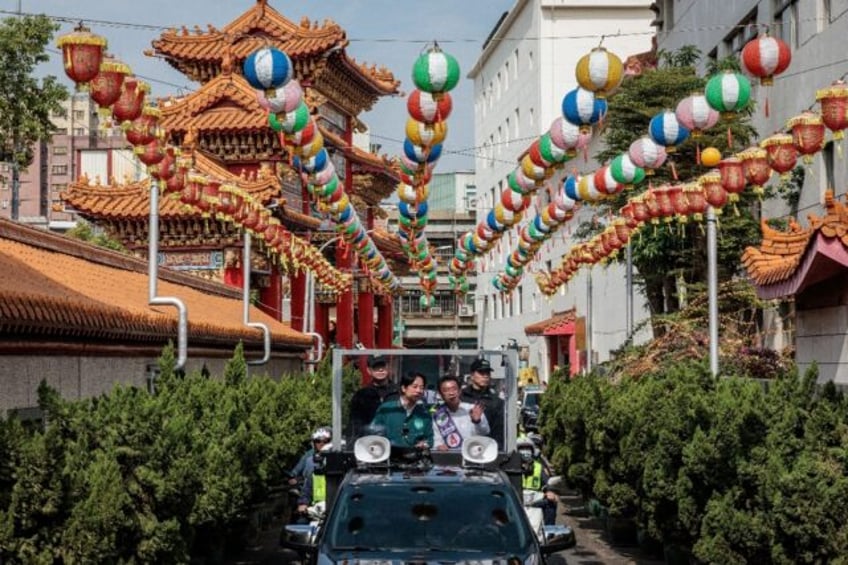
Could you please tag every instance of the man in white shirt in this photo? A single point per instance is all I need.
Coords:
(455, 421)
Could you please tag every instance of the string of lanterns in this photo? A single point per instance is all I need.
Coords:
(434, 73)
(269, 70)
(122, 99)
(725, 94)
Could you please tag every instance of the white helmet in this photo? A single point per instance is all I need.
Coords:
(322, 434)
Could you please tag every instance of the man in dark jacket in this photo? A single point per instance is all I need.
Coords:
(479, 391)
(364, 404)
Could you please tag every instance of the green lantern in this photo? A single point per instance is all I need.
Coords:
(435, 71)
(728, 92)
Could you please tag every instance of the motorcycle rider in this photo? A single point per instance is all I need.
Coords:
(314, 486)
(535, 479)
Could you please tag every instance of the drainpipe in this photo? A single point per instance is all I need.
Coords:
(245, 264)
(153, 277)
(309, 323)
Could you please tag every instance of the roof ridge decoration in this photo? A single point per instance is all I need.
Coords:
(781, 253)
(179, 113)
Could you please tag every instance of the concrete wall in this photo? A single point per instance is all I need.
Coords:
(822, 319)
(84, 377)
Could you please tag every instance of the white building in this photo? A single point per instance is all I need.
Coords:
(526, 67)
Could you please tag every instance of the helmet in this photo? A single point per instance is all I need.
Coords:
(322, 434)
(526, 448)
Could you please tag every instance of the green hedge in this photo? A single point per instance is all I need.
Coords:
(135, 477)
(734, 471)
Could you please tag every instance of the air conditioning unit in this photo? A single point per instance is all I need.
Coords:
(436, 311)
(466, 311)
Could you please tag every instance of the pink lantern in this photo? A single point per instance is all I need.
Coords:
(696, 114)
(646, 153)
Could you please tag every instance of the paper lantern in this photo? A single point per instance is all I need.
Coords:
(834, 102)
(765, 57)
(532, 171)
(435, 71)
(679, 202)
(710, 157)
(664, 207)
(697, 201)
(667, 131)
(646, 153)
(144, 128)
(728, 92)
(167, 167)
(545, 153)
(296, 120)
(130, 103)
(781, 153)
(696, 115)
(587, 190)
(569, 187)
(755, 167)
(582, 108)
(105, 88)
(599, 71)
(82, 53)
(567, 136)
(286, 98)
(149, 154)
(641, 212)
(425, 108)
(421, 154)
(268, 69)
(732, 177)
(807, 134)
(426, 135)
(605, 183)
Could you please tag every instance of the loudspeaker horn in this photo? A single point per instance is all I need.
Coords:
(372, 449)
(479, 450)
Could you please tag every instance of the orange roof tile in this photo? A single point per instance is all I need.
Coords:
(783, 256)
(54, 286)
(132, 201)
(553, 325)
(252, 30)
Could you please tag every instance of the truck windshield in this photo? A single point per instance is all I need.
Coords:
(398, 517)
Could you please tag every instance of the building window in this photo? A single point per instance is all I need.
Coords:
(60, 150)
(532, 118)
(498, 86)
(824, 15)
(515, 64)
(59, 169)
(79, 132)
(79, 114)
(786, 21)
(530, 61)
(742, 33)
(517, 122)
(506, 77)
(506, 134)
(57, 187)
(534, 302)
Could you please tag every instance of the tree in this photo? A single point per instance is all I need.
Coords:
(26, 103)
(666, 254)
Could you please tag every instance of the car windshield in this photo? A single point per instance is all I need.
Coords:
(397, 517)
(531, 400)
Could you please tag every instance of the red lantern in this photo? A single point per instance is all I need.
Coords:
(192, 189)
(714, 192)
(622, 230)
(807, 134)
(755, 167)
(176, 183)
(629, 215)
(834, 107)
(640, 210)
(167, 167)
(697, 203)
(732, 177)
(130, 103)
(209, 198)
(105, 88)
(679, 202)
(765, 57)
(429, 109)
(82, 52)
(662, 198)
(781, 152)
(149, 154)
(144, 128)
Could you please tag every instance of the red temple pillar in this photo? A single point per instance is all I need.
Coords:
(344, 308)
(233, 276)
(385, 322)
(298, 301)
(366, 315)
(271, 298)
(322, 322)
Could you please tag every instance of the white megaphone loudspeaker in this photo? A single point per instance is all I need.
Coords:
(372, 449)
(479, 450)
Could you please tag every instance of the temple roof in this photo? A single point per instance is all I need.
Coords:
(132, 201)
(54, 287)
(307, 44)
(787, 262)
(555, 325)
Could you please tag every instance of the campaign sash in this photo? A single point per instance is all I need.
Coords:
(447, 428)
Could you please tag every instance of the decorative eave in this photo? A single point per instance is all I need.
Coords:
(554, 325)
(132, 201)
(201, 55)
(375, 177)
(226, 103)
(786, 263)
(55, 288)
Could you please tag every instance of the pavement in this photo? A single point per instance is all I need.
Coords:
(594, 546)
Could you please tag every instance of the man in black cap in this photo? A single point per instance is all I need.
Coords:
(367, 399)
(480, 391)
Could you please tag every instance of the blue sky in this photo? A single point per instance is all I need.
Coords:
(385, 32)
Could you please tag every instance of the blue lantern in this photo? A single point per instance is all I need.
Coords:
(666, 130)
(570, 187)
(419, 154)
(268, 69)
(582, 108)
(314, 164)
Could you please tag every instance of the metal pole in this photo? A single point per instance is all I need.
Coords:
(712, 285)
(153, 278)
(629, 297)
(589, 322)
(245, 265)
